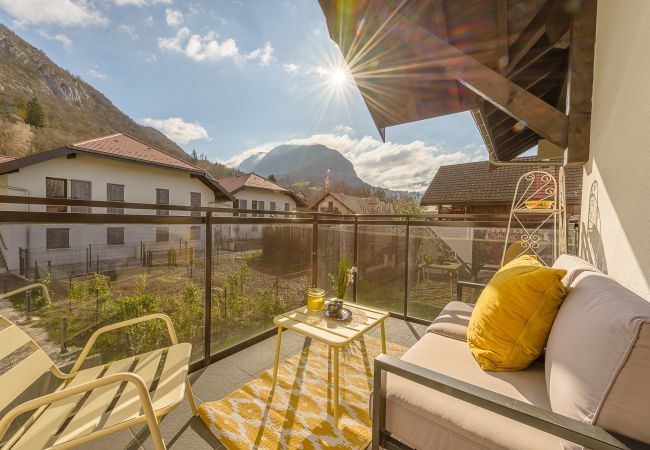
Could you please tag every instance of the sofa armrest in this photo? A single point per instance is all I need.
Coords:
(466, 284)
(564, 427)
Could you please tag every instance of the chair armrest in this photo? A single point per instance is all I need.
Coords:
(29, 288)
(114, 326)
(466, 284)
(121, 377)
(564, 427)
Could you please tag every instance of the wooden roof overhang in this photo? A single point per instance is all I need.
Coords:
(512, 63)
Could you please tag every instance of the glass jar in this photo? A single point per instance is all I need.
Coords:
(315, 299)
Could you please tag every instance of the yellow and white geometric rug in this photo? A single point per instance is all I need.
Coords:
(298, 415)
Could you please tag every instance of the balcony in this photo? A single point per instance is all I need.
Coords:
(222, 275)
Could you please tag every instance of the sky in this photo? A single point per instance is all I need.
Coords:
(231, 78)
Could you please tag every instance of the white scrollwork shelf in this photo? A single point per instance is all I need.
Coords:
(537, 223)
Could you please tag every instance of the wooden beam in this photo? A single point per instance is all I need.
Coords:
(580, 85)
(539, 116)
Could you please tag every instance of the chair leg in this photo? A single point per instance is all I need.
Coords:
(190, 397)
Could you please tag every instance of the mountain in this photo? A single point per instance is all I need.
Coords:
(74, 110)
(303, 163)
(304, 167)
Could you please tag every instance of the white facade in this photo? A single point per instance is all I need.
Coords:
(615, 212)
(329, 203)
(262, 199)
(140, 182)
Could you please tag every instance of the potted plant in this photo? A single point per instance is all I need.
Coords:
(344, 277)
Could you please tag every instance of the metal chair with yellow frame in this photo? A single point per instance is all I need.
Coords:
(93, 402)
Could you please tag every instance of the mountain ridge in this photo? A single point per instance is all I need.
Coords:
(304, 168)
(75, 110)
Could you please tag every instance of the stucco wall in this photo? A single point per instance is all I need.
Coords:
(267, 196)
(616, 186)
(140, 183)
(324, 203)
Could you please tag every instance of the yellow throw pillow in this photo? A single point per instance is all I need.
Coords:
(514, 314)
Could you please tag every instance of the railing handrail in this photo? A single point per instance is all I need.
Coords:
(257, 216)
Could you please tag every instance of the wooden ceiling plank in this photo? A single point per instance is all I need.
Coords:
(580, 85)
(536, 29)
(503, 35)
(440, 18)
(512, 99)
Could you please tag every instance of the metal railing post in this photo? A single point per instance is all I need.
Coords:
(406, 267)
(64, 335)
(207, 329)
(314, 253)
(28, 305)
(356, 258)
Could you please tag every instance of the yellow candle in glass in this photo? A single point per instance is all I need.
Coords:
(315, 299)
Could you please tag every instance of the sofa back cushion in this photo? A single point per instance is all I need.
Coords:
(598, 357)
(453, 320)
(574, 266)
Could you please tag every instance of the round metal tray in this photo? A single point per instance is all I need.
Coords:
(344, 315)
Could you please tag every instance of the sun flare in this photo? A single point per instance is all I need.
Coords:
(337, 77)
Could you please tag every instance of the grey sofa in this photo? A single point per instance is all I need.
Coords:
(595, 377)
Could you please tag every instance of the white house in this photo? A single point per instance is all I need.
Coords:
(337, 203)
(115, 168)
(253, 191)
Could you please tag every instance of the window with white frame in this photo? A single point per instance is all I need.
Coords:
(162, 198)
(195, 200)
(57, 238)
(81, 190)
(115, 193)
(115, 235)
(56, 188)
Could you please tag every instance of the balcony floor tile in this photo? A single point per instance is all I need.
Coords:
(181, 430)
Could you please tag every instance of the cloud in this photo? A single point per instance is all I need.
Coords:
(209, 47)
(59, 37)
(343, 128)
(177, 129)
(148, 20)
(290, 68)
(262, 54)
(95, 72)
(140, 2)
(56, 12)
(408, 166)
(150, 57)
(199, 48)
(173, 17)
(128, 30)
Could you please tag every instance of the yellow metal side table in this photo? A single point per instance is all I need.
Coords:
(335, 334)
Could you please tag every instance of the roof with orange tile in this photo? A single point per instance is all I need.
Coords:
(128, 147)
(123, 147)
(252, 180)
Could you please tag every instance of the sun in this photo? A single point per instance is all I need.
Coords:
(338, 77)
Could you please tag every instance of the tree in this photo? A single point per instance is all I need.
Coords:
(35, 113)
(272, 178)
(195, 157)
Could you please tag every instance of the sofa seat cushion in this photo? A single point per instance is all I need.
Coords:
(453, 320)
(427, 419)
(598, 357)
